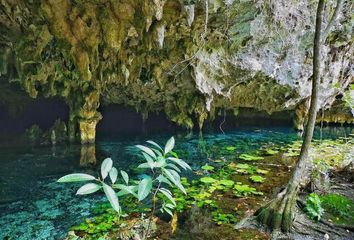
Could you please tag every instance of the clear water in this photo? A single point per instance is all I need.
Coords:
(34, 206)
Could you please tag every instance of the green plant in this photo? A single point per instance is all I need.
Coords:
(257, 178)
(164, 167)
(313, 207)
(248, 157)
(227, 182)
(270, 152)
(338, 205)
(223, 218)
(243, 168)
(230, 148)
(241, 190)
(207, 180)
(207, 167)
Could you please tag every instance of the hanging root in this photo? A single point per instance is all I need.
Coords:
(279, 213)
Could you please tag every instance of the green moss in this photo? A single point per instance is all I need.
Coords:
(339, 208)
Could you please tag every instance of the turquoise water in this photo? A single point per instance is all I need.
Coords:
(34, 206)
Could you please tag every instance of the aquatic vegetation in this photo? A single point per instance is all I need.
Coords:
(294, 149)
(243, 168)
(207, 191)
(227, 182)
(313, 207)
(248, 157)
(207, 167)
(226, 166)
(230, 148)
(164, 166)
(270, 152)
(242, 190)
(257, 178)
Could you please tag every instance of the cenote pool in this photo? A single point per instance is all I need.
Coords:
(34, 206)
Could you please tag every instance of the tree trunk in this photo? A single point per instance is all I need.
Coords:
(279, 213)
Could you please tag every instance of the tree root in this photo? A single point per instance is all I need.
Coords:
(278, 214)
(302, 226)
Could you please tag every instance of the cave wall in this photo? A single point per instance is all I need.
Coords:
(187, 58)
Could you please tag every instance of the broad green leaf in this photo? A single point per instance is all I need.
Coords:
(173, 167)
(249, 157)
(76, 177)
(158, 153)
(175, 174)
(155, 144)
(168, 211)
(144, 188)
(125, 176)
(180, 162)
(88, 188)
(113, 174)
(207, 167)
(230, 148)
(112, 197)
(173, 153)
(145, 165)
(207, 180)
(227, 182)
(147, 150)
(171, 174)
(162, 179)
(106, 166)
(169, 145)
(126, 190)
(161, 162)
(257, 179)
(168, 194)
(169, 206)
(149, 160)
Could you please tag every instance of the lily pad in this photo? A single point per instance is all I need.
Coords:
(207, 167)
(227, 182)
(270, 152)
(257, 179)
(242, 166)
(260, 171)
(230, 148)
(248, 157)
(244, 190)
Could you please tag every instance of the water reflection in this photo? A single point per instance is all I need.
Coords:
(88, 155)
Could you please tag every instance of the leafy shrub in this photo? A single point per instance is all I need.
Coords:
(163, 167)
(313, 207)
